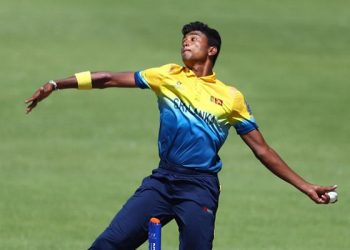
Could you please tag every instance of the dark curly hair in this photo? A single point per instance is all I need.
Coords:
(213, 35)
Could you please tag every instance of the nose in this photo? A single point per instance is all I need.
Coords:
(185, 42)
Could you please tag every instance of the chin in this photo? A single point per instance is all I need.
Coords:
(188, 63)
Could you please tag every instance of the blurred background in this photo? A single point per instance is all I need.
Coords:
(68, 167)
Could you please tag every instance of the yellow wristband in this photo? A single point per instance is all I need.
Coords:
(84, 80)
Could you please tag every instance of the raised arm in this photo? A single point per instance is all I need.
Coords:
(98, 80)
(276, 165)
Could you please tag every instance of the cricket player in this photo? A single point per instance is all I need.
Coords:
(196, 112)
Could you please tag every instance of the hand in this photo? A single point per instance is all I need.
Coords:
(38, 96)
(318, 193)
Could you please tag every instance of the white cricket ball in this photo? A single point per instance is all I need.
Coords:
(333, 196)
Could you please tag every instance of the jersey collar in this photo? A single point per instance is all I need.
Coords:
(209, 78)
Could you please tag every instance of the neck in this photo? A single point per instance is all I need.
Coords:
(201, 69)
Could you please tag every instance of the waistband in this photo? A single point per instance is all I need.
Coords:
(184, 170)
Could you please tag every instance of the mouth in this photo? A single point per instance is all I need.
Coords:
(184, 50)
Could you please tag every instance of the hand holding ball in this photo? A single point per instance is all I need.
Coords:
(333, 196)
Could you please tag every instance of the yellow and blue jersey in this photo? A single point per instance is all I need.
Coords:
(196, 114)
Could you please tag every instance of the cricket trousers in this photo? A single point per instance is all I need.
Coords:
(171, 192)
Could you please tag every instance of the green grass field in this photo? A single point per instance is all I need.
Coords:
(67, 168)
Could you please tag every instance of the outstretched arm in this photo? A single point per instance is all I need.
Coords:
(276, 165)
(99, 80)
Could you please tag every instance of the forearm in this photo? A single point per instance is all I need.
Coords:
(100, 80)
(273, 161)
(276, 165)
(85, 80)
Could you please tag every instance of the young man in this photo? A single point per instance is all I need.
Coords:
(196, 112)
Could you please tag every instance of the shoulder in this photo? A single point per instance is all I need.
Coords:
(170, 68)
(159, 71)
(155, 77)
(232, 91)
(236, 97)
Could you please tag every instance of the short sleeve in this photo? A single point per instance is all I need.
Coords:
(241, 116)
(153, 78)
(140, 81)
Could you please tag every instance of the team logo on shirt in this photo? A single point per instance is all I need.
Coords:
(216, 100)
(177, 85)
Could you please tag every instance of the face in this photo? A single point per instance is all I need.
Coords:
(195, 48)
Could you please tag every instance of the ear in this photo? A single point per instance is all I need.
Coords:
(212, 51)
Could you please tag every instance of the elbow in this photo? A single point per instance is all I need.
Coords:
(262, 153)
(101, 79)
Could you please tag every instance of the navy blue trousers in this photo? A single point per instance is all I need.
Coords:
(190, 197)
